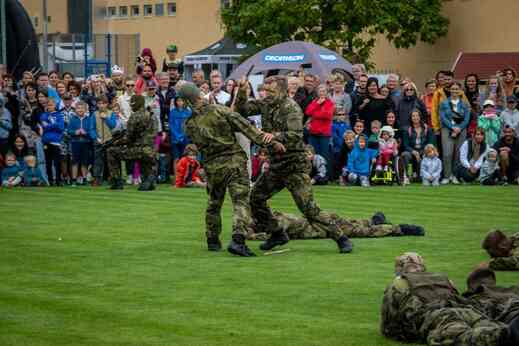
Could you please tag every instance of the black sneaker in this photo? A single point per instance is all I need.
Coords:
(214, 244)
(148, 184)
(344, 244)
(237, 247)
(412, 230)
(276, 239)
(117, 184)
(378, 218)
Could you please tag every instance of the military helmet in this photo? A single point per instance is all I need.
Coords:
(409, 262)
(189, 92)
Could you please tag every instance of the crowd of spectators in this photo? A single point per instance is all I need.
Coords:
(54, 128)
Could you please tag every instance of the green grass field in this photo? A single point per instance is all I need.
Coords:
(95, 267)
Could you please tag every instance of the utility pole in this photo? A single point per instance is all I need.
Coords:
(45, 36)
(3, 32)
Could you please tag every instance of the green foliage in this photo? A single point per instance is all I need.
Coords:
(348, 26)
(97, 267)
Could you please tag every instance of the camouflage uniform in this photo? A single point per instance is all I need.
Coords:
(426, 307)
(508, 263)
(283, 118)
(137, 144)
(212, 128)
(299, 228)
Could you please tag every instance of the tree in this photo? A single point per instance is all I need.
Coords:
(347, 26)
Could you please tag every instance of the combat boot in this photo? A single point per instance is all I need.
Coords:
(214, 244)
(117, 184)
(378, 218)
(344, 244)
(276, 239)
(412, 230)
(238, 247)
(148, 184)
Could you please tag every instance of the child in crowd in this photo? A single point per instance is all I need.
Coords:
(387, 147)
(490, 121)
(177, 117)
(489, 172)
(68, 111)
(339, 126)
(53, 124)
(391, 121)
(188, 169)
(104, 122)
(81, 130)
(20, 150)
(359, 163)
(373, 139)
(318, 174)
(163, 145)
(346, 148)
(358, 128)
(260, 163)
(431, 167)
(32, 175)
(12, 174)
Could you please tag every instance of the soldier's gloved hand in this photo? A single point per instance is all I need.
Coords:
(267, 137)
(279, 148)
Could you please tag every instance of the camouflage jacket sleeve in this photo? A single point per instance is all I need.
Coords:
(504, 263)
(139, 123)
(246, 107)
(401, 313)
(294, 125)
(239, 124)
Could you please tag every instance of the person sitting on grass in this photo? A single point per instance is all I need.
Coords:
(508, 149)
(188, 169)
(32, 175)
(12, 174)
(361, 158)
(489, 172)
(260, 163)
(387, 148)
(318, 166)
(503, 249)
(431, 167)
(472, 153)
(81, 130)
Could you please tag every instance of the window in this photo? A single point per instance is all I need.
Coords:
(123, 11)
(159, 10)
(172, 8)
(135, 10)
(148, 10)
(111, 11)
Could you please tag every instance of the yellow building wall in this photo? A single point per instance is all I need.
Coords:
(475, 26)
(56, 10)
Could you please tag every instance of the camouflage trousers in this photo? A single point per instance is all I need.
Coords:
(146, 155)
(299, 228)
(299, 185)
(236, 180)
(460, 327)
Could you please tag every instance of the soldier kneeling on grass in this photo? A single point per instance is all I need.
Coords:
(137, 143)
(503, 249)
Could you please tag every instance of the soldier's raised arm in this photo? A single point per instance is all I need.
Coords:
(240, 124)
(243, 105)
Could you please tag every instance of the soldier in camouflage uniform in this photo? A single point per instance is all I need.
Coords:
(212, 128)
(281, 116)
(299, 228)
(503, 250)
(136, 144)
(425, 307)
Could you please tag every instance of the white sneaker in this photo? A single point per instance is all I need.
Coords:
(129, 179)
(426, 182)
(445, 181)
(378, 168)
(406, 181)
(454, 180)
(89, 177)
(435, 183)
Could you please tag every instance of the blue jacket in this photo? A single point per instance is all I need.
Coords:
(446, 114)
(86, 123)
(359, 160)
(53, 125)
(338, 129)
(177, 118)
(31, 173)
(11, 171)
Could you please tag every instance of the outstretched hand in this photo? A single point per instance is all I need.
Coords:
(267, 137)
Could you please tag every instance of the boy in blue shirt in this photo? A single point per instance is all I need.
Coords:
(53, 124)
(32, 175)
(359, 164)
(339, 126)
(81, 130)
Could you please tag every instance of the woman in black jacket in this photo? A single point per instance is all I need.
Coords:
(408, 102)
(374, 106)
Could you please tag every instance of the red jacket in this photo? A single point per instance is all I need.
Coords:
(186, 171)
(321, 117)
